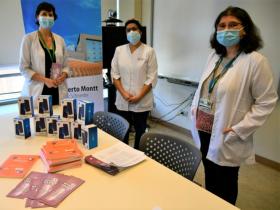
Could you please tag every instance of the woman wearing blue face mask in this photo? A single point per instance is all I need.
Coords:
(42, 58)
(134, 74)
(233, 99)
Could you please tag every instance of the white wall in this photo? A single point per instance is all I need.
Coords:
(182, 30)
(12, 31)
(171, 103)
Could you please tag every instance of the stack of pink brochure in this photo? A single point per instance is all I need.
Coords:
(60, 155)
(44, 190)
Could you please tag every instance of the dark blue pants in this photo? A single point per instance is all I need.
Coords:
(220, 180)
(139, 121)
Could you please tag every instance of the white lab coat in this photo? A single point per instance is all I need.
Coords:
(135, 70)
(32, 60)
(245, 97)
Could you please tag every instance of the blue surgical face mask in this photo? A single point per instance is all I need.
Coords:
(228, 38)
(133, 37)
(46, 22)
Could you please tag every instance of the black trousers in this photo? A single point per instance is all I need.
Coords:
(139, 121)
(220, 180)
(53, 92)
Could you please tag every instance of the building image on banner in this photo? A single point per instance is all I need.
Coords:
(79, 23)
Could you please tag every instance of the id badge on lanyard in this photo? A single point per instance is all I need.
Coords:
(205, 104)
(205, 115)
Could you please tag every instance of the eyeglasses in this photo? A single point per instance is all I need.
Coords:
(230, 25)
(131, 29)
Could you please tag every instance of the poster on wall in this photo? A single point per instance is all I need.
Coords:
(78, 22)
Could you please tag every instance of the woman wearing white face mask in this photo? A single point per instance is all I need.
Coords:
(42, 58)
(134, 74)
(233, 99)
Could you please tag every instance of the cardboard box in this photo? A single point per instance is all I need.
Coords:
(69, 109)
(52, 125)
(85, 112)
(44, 105)
(22, 127)
(64, 129)
(25, 106)
(89, 136)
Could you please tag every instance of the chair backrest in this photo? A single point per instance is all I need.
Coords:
(111, 123)
(176, 154)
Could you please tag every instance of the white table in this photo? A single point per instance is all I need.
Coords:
(147, 186)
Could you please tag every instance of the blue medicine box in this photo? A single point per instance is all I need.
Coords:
(44, 105)
(89, 136)
(51, 123)
(40, 125)
(76, 130)
(85, 112)
(69, 109)
(22, 127)
(64, 129)
(25, 106)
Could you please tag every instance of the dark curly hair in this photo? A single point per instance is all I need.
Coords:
(250, 42)
(47, 7)
(136, 22)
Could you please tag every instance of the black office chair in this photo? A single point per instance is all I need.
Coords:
(174, 153)
(111, 123)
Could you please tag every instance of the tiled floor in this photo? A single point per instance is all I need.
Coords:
(259, 185)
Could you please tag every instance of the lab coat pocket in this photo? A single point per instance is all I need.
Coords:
(236, 149)
(231, 137)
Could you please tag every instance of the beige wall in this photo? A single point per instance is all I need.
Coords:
(267, 138)
(105, 6)
(140, 10)
(127, 9)
(147, 18)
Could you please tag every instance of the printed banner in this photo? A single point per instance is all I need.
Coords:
(87, 88)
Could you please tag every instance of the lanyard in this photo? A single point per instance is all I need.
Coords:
(50, 52)
(214, 79)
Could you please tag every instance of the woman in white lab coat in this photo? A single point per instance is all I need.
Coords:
(134, 74)
(40, 52)
(234, 98)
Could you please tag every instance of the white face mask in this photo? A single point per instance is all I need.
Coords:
(133, 37)
(228, 38)
(46, 22)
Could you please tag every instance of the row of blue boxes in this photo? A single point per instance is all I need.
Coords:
(76, 119)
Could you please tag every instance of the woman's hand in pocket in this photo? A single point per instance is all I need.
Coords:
(227, 130)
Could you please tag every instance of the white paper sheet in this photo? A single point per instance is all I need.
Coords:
(120, 155)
